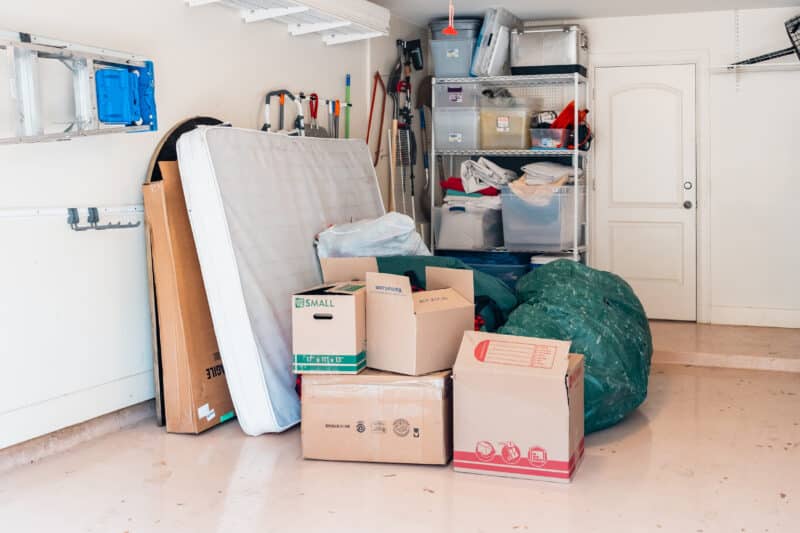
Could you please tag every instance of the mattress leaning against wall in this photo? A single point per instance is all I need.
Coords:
(256, 200)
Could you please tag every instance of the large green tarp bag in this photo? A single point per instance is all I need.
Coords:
(599, 312)
(493, 299)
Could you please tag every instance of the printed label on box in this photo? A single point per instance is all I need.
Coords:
(455, 98)
(515, 354)
(455, 137)
(452, 53)
(503, 124)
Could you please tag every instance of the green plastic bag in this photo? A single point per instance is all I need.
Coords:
(493, 299)
(601, 315)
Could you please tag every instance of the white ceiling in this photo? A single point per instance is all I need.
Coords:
(421, 11)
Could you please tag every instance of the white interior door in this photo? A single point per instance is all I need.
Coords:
(645, 186)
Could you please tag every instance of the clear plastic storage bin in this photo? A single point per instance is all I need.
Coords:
(548, 138)
(458, 96)
(456, 128)
(467, 228)
(452, 58)
(542, 228)
(505, 127)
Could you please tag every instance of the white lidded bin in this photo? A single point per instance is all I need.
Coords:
(467, 95)
(467, 227)
(550, 227)
(456, 128)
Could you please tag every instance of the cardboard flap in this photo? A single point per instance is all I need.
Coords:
(347, 268)
(491, 352)
(391, 291)
(438, 300)
(461, 280)
(348, 288)
(389, 284)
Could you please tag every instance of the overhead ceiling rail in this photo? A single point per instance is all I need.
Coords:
(336, 21)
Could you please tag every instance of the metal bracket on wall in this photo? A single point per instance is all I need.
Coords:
(74, 219)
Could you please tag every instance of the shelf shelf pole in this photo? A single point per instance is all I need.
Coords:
(434, 181)
(576, 178)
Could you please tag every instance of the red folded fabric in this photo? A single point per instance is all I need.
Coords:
(454, 183)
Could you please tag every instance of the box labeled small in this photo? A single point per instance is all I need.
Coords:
(329, 329)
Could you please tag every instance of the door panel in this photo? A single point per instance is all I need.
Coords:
(645, 230)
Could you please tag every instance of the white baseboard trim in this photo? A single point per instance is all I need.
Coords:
(755, 316)
(60, 441)
(716, 360)
(28, 422)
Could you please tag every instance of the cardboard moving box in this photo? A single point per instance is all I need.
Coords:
(196, 393)
(377, 417)
(329, 329)
(416, 333)
(518, 407)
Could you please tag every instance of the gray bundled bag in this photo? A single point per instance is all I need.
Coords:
(391, 234)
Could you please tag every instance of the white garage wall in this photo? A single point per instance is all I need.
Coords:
(752, 255)
(74, 320)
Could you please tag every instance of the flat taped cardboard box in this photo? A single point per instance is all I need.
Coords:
(518, 408)
(196, 395)
(378, 417)
(329, 329)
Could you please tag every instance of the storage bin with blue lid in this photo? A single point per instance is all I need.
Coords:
(506, 267)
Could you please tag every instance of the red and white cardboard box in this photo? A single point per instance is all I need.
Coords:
(518, 407)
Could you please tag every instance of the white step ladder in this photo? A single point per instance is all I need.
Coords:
(24, 52)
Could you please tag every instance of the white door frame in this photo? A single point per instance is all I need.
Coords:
(700, 59)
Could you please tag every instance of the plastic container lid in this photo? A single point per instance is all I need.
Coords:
(545, 259)
(469, 25)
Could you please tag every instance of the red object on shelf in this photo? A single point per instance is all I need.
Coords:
(454, 183)
(566, 118)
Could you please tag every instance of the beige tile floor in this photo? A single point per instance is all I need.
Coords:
(726, 346)
(711, 450)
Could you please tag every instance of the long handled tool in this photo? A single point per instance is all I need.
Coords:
(424, 96)
(392, 165)
(426, 165)
(314, 129)
(394, 82)
(347, 107)
(376, 82)
(337, 111)
(409, 54)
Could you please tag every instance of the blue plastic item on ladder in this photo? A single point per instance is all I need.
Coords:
(126, 96)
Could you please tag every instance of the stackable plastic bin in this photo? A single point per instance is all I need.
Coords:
(456, 128)
(508, 274)
(506, 267)
(468, 228)
(459, 96)
(542, 228)
(547, 138)
(505, 123)
(452, 54)
(452, 59)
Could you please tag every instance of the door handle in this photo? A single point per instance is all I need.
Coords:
(687, 204)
